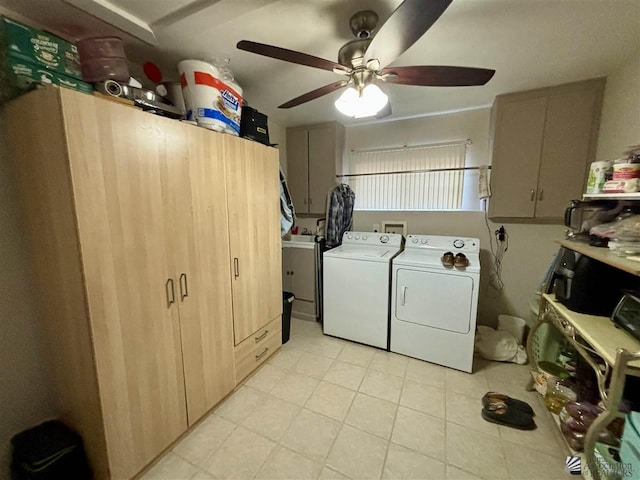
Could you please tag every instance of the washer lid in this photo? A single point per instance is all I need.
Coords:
(433, 259)
(360, 252)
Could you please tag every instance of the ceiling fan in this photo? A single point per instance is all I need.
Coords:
(363, 61)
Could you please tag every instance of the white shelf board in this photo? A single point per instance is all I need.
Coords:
(611, 196)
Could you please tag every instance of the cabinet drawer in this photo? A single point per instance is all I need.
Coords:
(253, 351)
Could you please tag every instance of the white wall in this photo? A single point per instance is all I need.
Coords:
(620, 124)
(25, 394)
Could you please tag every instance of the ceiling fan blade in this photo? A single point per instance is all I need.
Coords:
(290, 56)
(313, 94)
(437, 76)
(403, 28)
(385, 112)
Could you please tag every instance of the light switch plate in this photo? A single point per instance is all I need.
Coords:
(395, 227)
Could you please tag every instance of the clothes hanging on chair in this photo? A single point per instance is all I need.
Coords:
(287, 213)
(340, 200)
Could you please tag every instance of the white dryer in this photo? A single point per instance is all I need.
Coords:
(356, 287)
(433, 306)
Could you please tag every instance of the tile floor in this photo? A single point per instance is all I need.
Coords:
(324, 408)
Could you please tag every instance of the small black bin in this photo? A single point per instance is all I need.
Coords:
(287, 301)
(49, 451)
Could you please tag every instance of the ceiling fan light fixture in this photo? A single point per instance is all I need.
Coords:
(367, 103)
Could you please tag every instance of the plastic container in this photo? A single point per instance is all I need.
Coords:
(101, 47)
(103, 58)
(625, 171)
(287, 304)
(105, 68)
(211, 100)
(513, 325)
(557, 396)
(548, 374)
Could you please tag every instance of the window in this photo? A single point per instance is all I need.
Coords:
(428, 177)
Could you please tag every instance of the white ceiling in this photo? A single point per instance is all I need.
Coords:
(530, 43)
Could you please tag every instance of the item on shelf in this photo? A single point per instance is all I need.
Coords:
(580, 216)
(557, 395)
(627, 228)
(146, 99)
(103, 58)
(25, 76)
(632, 154)
(622, 249)
(621, 186)
(548, 373)
(214, 101)
(626, 171)
(40, 49)
(598, 176)
(174, 95)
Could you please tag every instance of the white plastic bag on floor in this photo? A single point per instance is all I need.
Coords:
(499, 345)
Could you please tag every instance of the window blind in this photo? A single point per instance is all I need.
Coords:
(394, 179)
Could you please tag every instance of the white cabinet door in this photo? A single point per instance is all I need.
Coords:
(303, 278)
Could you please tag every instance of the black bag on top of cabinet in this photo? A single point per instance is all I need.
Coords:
(49, 451)
(253, 125)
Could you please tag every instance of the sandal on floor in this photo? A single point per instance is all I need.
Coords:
(495, 397)
(501, 414)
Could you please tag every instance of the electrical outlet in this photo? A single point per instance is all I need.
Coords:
(376, 227)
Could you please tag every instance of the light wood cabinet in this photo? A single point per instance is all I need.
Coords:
(253, 189)
(130, 220)
(314, 157)
(543, 143)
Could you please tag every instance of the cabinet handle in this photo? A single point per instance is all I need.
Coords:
(260, 355)
(533, 194)
(404, 296)
(260, 337)
(310, 200)
(540, 195)
(305, 200)
(170, 299)
(183, 292)
(236, 267)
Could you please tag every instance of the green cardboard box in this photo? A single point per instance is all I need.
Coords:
(39, 48)
(22, 75)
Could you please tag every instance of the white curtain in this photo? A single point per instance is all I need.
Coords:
(412, 189)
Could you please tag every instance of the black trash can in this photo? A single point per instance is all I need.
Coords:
(49, 451)
(287, 301)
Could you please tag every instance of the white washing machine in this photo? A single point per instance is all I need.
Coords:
(356, 287)
(433, 306)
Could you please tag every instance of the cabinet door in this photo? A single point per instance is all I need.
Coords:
(298, 168)
(517, 147)
(303, 281)
(286, 269)
(200, 246)
(566, 150)
(322, 166)
(253, 192)
(117, 158)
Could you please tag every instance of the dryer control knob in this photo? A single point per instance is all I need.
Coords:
(415, 240)
(384, 239)
(424, 241)
(458, 243)
(357, 237)
(349, 237)
(364, 237)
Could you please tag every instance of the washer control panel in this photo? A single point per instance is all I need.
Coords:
(444, 243)
(372, 238)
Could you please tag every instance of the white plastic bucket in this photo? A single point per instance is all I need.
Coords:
(513, 325)
(211, 101)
